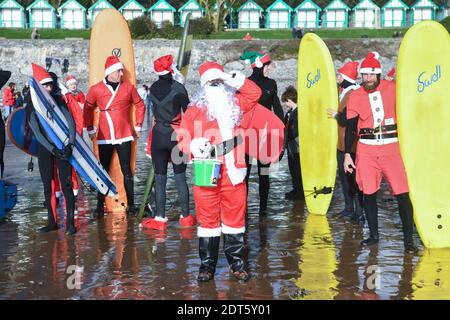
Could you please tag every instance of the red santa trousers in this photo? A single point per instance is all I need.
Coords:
(221, 209)
(371, 167)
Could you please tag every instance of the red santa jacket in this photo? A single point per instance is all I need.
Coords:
(377, 108)
(8, 97)
(114, 126)
(76, 112)
(79, 96)
(195, 124)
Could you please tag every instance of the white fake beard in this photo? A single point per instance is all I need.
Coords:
(220, 104)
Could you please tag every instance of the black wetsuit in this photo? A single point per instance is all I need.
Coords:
(47, 156)
(169, 98)
(293, 150)
(269, 99)
(353, 197)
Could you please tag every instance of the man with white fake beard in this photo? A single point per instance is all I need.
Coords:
(214, 123)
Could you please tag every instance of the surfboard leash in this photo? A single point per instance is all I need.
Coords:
(316, 192)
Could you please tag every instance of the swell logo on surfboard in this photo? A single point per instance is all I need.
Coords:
(311, 81)
(424, 82)
(117, 52)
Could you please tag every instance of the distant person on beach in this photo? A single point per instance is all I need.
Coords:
(35, 34)
(4, 77)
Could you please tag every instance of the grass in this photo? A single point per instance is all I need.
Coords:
(323, 33)
(44, 33)
(232, 34)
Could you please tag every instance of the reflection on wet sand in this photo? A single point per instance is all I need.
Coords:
(431, 279)
(318, 261)
(291, 254)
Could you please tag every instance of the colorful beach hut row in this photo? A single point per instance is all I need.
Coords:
(41, 14)
(337, 14)
(250, 15)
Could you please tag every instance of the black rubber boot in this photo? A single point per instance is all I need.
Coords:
(129, 189)
(70, 223)
(405, 209)
(358, 214)
(264, 185)
(183, 192)
(51, 226)
(209, 253)
(371, 209)
(233, 246)
(160, 194)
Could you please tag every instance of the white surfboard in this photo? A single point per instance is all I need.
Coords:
(55, 125)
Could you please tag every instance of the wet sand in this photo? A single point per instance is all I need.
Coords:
(291, 255)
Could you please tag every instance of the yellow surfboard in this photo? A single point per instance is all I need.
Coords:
(317, 91)
(423, 111)
(431, 278)
(318, 261)
(110, 36)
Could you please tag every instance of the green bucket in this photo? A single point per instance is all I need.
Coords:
(206, 172)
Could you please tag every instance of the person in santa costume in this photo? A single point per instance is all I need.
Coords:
(72, 97)
(371, 111)
(49, 155)
(353, 197)
(72, 86)
(4, 77)
(114, 98)
(214, 119)
(390, 75)
(169, 99)
(260, 63)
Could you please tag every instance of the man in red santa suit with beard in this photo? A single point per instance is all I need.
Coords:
(216, 119)
(371, 110)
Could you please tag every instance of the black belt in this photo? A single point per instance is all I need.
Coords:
(390, 127)
(227, 146)
(165, 123)
(379, 136)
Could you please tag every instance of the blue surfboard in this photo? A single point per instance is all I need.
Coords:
(20, 133)
(55, 125)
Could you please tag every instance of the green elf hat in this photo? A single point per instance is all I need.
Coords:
(256, 58)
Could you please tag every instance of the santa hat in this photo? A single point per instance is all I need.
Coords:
(163, 65)
(40, 74)
(391, 73)
(112, 64)
(256, 58)
(349, 71)
(210, 71)
(371, 64)
(70, 80)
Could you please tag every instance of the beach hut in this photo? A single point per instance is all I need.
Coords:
(95, 9)
(193, 7)
(73, 15)
(335, 15)
(278, 15)
(443, 11)
(393, 14)
(12, 14)
(366, 14)
(307, 15)
(162, 11)
(41, 14)
(423, 10)
(132, 9)
(249, 14)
